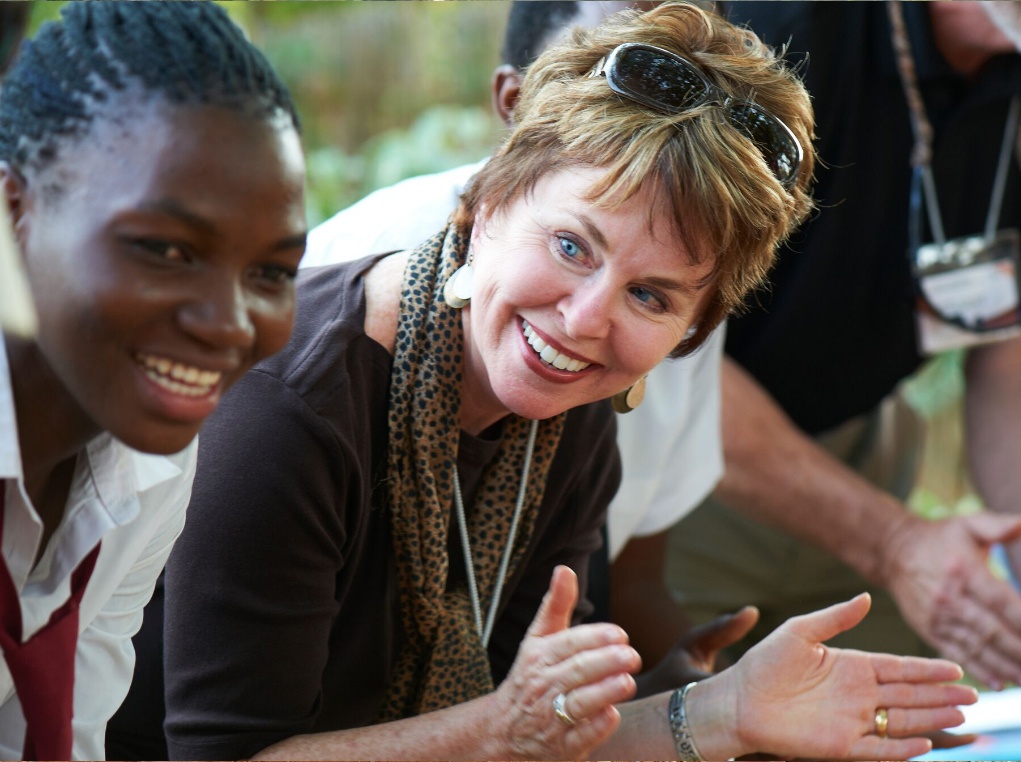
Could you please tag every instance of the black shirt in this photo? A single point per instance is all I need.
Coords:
(835, 330)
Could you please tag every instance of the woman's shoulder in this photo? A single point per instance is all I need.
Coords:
(329, 354)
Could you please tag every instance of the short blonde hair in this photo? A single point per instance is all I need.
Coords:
(727, 204)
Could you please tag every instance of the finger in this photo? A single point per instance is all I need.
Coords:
(820, 626)
(993, 667)
(922, 695)
(1000, 601)
(905, 723)
(990, 528)
(913, 669)
(959, 643)
(557, 605)
(597, 728)
(974, 632)
(562, 645)
(589, 700)
(705, 640)
(941, 739)
(594, 665)
(874, 747)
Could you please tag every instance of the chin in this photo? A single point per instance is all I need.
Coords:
(538, 410)
(162, 441)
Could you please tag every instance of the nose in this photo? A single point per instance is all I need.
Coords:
(587, 310)
(219, 314)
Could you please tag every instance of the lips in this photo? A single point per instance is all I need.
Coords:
(549, 354)
(179, 378)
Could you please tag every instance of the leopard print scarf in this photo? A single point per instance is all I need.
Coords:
(443, 662)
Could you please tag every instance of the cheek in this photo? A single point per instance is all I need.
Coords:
(273, 320)
(645, 349)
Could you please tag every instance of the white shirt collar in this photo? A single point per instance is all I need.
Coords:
(104, 495)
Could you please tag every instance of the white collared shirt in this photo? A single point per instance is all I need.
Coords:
(671, 446)
(135, 503)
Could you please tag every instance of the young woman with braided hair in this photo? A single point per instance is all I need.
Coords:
(151, 165)
(377, 562)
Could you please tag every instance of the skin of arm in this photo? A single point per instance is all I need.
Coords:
(640, 601)
(790, 682)
(515, 721)
(777, 474)
(657, 625)
(992, 413)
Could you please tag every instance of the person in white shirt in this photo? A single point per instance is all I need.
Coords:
(151, 166)
(671, 447)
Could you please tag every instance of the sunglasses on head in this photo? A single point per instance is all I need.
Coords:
(670, 84)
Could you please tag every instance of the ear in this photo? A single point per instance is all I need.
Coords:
(506, 87)
(14, 188)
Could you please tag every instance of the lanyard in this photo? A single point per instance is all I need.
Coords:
(923, 185)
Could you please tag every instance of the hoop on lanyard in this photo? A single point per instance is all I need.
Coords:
(967, 287)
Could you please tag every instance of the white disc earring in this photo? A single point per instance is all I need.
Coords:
(630, 398)
(457, 291)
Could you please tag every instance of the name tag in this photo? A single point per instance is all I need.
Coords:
(968, 291)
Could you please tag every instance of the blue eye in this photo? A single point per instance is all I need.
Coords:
(570, 249)
(648, 297)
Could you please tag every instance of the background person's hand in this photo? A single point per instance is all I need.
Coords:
(591, 664)
(694, 657)
(939, 574)
(792, 696)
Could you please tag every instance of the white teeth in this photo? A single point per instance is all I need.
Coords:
(179, 378)
(549, 354)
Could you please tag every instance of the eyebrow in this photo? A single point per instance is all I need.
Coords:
(665, 284)
(174, 209)
(594, 232)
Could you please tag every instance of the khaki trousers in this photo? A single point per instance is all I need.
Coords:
(720, 560)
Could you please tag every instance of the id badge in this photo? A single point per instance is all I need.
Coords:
(968, 291)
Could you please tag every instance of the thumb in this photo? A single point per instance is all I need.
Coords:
(820, 626)
(990, 528)
(706, 639)
(557, 605)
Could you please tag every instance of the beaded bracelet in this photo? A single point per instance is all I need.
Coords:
(683, 740)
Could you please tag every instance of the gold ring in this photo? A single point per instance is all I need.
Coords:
(882, 722)
(560, 709)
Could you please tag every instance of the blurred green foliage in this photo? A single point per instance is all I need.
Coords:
(386, 89)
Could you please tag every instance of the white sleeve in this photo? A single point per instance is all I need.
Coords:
(394, 218)
(105, 659)
(671, 446)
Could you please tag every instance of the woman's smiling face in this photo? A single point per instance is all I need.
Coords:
(161, 250)
(572, 302)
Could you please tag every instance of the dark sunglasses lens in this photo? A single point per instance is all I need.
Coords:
(655, 77)
(776, 145)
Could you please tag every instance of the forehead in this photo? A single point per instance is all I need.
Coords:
(134, 143)
(645, 219)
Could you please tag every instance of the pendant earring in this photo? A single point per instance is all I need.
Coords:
(630, 398)
(457, 291)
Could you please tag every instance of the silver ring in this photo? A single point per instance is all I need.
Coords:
(560, 709)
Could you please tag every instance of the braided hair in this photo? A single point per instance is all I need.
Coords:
(188, 52)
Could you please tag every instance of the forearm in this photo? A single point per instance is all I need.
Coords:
(640, 601)
(645, 731)
(780, 476)
(464, 731)
(993, 425)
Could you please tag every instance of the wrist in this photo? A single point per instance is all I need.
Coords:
(684, 739)
(889, 549)
(496, 739)
(711, 713)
